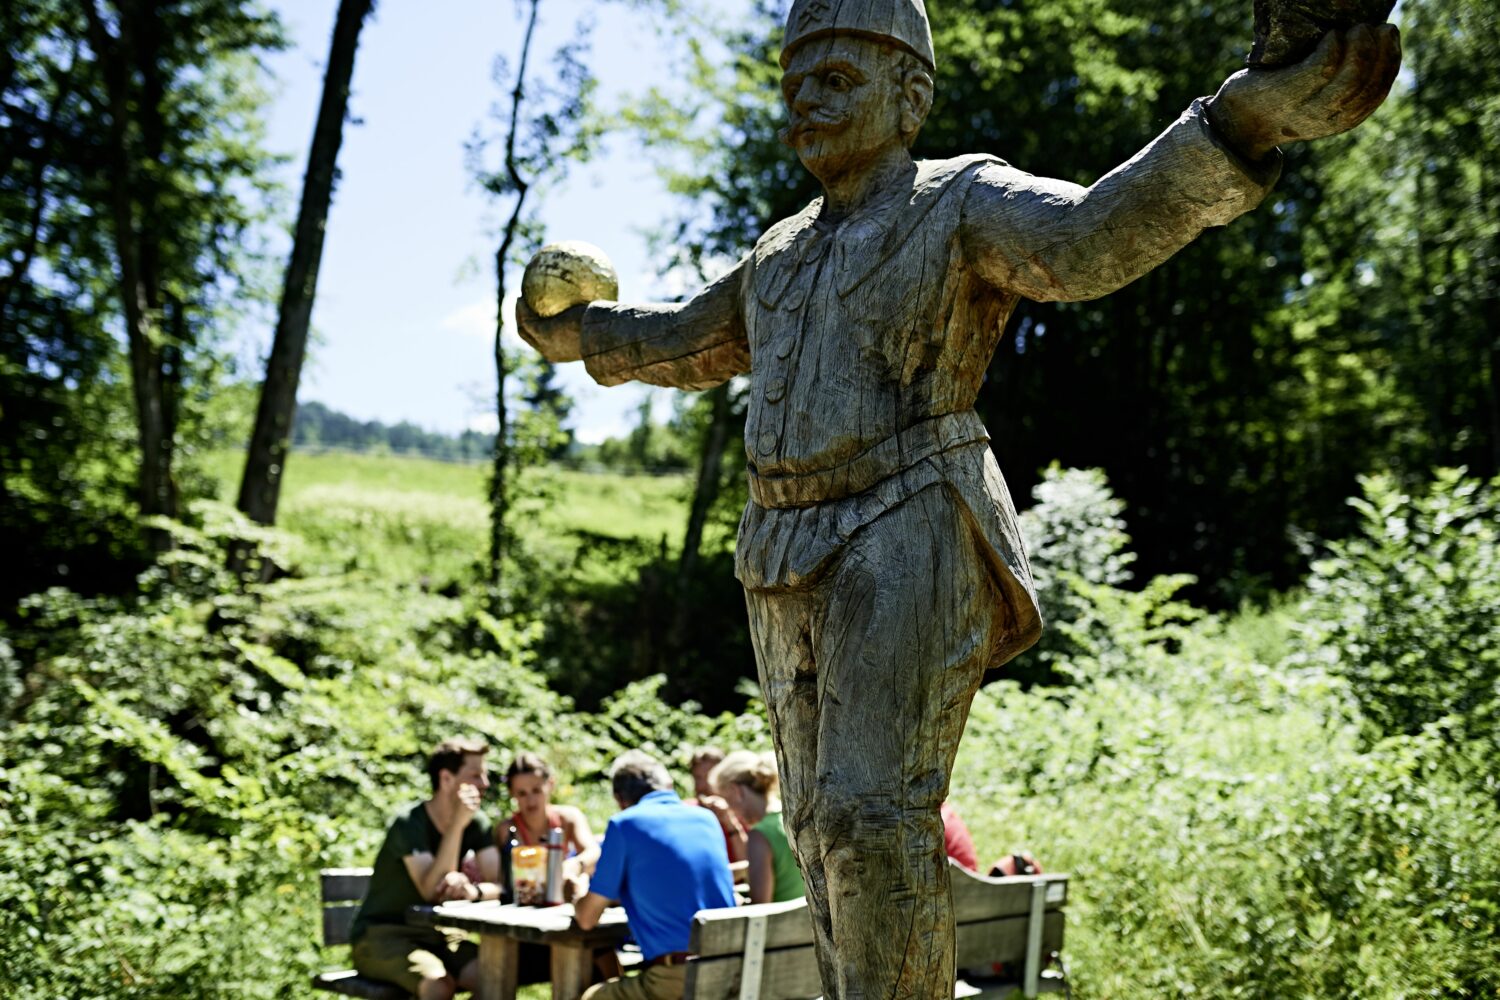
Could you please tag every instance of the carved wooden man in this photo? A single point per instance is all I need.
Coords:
(879, 553)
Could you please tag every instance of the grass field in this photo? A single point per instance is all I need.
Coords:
(416, 518)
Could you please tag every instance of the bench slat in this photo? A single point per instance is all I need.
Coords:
(979, 897)
(792, 973)
(722, 932)
(975, 898)
(337, 921)
(344, 885)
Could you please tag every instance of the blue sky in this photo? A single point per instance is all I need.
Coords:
(404, 311)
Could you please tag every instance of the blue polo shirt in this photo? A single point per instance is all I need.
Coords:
(664, 861)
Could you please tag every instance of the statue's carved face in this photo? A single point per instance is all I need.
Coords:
(845, 104)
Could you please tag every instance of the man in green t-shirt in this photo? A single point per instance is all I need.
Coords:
(420, 863)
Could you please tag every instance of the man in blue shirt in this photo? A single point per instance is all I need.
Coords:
(664, 861)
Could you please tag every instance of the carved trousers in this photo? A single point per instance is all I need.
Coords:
(868, 677)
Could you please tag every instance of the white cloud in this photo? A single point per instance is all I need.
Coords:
(477, 319)
(484, 423)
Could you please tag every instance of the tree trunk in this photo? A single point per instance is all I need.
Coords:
(501, 456)
(1488, 275)
(260, 487)
(138, 294)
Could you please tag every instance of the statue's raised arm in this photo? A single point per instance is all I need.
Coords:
(695, 344)
(1050, 240)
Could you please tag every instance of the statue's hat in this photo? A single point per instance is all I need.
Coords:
(902, 22)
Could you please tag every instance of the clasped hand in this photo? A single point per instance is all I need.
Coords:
(1340, 85)
(558, 338)
(457, 885)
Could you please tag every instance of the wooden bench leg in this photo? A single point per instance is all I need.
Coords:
(499, 967)
(572, 970)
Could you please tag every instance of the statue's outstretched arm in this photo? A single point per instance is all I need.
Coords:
(1051, 240)
(695, 344)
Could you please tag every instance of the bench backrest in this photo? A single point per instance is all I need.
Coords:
(343, 889)
(766, 951)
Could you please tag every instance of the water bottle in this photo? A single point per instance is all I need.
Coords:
(554, 866)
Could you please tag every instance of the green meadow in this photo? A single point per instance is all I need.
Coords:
(417, 519)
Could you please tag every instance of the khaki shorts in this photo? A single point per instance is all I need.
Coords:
(407, 955)
(660, 982)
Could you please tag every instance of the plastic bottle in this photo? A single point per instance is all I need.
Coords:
(554, 867)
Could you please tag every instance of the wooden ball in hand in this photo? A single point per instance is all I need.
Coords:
(1287, 31)
(567, 274)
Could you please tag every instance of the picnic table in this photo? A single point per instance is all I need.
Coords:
(502, 927)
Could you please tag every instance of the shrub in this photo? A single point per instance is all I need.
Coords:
(1409, 609)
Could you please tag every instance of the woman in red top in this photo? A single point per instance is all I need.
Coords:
(530, 782)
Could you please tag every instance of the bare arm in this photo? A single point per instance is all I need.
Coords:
(762, 868)
(431, 873)
(588, 910)
(489, 866)
(690, 345)
(1050, 240)
(734, 832)
(438, 877)
(582, 839)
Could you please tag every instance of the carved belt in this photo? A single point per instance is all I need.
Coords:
(896, 453)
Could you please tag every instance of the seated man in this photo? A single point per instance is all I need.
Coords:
(419, 863)
(664, 861)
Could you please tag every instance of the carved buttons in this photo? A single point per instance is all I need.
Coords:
(784, 348)
(776, 390)
(766, 443)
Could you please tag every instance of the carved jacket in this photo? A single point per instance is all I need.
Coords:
(866, 341)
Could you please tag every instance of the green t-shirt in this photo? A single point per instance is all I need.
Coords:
(391, 887)
(789, 884)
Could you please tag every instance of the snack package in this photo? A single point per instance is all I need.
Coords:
(528, 866)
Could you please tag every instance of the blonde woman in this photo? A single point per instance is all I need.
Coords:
(748, 782)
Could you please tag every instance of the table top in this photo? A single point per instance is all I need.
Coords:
(536, 924)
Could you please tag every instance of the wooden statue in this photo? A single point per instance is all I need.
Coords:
(879, 552)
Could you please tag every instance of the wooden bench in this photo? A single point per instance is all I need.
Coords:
(765, 952)
(343, 888)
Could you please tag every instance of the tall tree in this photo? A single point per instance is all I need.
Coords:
(260, 486)
(130, 173)
(129, 53)
(543, 128)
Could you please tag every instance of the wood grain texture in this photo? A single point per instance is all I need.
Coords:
(499, 968)
(794, 972)
(883, 568)
(992, 917)
(1286, 31)
(572, 969)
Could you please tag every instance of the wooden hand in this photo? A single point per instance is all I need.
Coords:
(559, 338)
(1331, 91)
